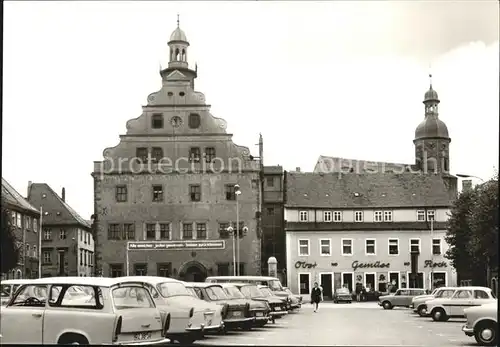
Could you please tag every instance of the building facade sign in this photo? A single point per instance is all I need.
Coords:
(305, 265)
(175, 245)
(430, 263)
(375, 265)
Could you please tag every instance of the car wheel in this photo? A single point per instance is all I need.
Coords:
(486, 334)
(72, 339)
(438, 315)
(422, 310)
(387, 305)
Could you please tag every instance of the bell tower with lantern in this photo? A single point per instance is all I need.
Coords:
(432, 152)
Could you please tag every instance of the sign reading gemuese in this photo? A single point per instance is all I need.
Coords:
(176, 245)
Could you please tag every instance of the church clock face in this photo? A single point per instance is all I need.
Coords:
(176, 121)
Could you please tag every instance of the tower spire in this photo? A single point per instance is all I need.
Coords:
(178, 21)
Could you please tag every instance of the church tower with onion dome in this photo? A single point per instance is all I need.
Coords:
(432, 141)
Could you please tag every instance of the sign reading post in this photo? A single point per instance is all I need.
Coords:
(175, 245)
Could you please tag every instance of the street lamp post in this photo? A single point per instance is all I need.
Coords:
(230, 230)
(40, 231)
(237, 192)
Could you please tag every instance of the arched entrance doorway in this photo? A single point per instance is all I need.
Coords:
(193, 272)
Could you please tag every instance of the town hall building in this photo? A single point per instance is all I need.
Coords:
(176, 197)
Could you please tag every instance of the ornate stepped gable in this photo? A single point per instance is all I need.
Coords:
(185, 121)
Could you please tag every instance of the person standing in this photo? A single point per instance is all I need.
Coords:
(316, 296)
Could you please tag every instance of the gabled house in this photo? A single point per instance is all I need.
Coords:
(67, 242)
(25, 221)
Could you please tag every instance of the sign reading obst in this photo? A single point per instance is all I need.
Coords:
(175, 245)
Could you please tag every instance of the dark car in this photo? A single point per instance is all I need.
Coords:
(342, 295)
(236, 312)
(268, 293)
(251, 291)
(258, 309)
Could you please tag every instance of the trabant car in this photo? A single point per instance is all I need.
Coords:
(402, 297)
(235, 312)
(43, 312)
(251, 291)
(8, 288)
(268, 293)
(418, 302)
(272, 282)
(296, 300)
(342, 295)
(190, 317)
(442, 309)
(259, 309)
(482, 324)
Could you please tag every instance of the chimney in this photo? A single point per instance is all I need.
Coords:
(297, 169)
(63, 195)
(466, 185)
(29, 188)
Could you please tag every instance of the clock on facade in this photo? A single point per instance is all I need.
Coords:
(176, 121)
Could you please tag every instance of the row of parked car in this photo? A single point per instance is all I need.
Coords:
(140, 310)
(478, 305)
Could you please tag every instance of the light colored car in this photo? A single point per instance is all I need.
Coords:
(44, 312)
(402, 297)
(8, 288)
(482, 324)
(190, 317)
(235, 312)
(258, 309)
(418, 304)
(441, 309)
(273, 283)
(296, 300)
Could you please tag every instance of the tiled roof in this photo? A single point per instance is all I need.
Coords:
(59, 212)
(326, 164)
(14, 198)
(368, 190)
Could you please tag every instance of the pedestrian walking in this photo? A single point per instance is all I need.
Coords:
(359, 288)
(316, 296)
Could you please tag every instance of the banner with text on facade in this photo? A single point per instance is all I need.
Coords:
(175, 245)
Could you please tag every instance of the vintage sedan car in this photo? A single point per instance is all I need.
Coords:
(190, 317)
(296, 300)
(442, 309)
(418, 303)
(44, 312)
(272, 282)
(235, 312)
(259, 310)
(482, 324)
(268, 293)
(8, 288)
(402, 297)
(342, 295)
(251, 291)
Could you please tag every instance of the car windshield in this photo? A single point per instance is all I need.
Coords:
(342, 291)
(5, 290)
(126, 297)
(251, 292)
(234, 293)
(275, 285)
(266, 291)
(191, 291)
(216, 293)
(169, 289)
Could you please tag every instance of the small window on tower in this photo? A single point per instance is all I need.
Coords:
(194, 120)
(157, 121)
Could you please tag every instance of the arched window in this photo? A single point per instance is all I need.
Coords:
(183, 58)
(19, 274)
(176, 54)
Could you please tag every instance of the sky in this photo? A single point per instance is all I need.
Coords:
(343, 79)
